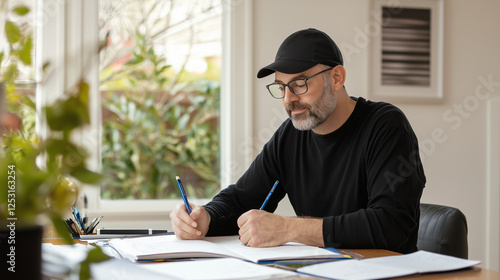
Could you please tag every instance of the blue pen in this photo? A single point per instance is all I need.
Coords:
(269, 195)
(78, 218)
(183, 194)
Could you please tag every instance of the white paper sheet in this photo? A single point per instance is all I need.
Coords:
(354, 270)
(387, 267)
(424, 262)
(217, 269)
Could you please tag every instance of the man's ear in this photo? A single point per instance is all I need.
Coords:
(339, 77)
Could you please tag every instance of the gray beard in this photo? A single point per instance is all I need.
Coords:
(314, 115)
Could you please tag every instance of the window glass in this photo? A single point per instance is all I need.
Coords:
(160, 93)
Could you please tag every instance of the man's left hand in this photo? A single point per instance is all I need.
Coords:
(259, 228)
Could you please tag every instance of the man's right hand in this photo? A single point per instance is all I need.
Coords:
(194, 226)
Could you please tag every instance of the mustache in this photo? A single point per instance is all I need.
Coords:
(297, 105)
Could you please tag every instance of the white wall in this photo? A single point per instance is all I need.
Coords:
(456, 169)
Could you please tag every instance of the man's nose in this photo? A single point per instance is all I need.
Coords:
(289, 96)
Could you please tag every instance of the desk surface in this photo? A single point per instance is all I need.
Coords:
(468, 273)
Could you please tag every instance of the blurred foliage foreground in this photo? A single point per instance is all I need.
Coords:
(34, 195)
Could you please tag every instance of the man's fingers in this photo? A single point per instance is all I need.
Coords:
(243, 219)
(183, 224)
(188, 235)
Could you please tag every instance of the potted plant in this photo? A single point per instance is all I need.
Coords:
(40, 176)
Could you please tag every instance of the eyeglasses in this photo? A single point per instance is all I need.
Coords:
(297, 87)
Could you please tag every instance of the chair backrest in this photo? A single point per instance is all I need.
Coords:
(443, 230)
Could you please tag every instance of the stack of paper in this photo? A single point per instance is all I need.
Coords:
(387, 267)
(59, 261)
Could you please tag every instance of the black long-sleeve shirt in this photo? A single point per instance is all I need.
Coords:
(365, 180)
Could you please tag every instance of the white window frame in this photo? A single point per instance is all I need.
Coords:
(67, 36)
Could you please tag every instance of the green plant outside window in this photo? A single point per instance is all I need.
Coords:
(158, 121)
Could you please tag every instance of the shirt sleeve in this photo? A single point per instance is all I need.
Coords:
(395, 181)
(248, 193)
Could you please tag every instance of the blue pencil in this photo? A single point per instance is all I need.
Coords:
(183, 194)
(269, 195)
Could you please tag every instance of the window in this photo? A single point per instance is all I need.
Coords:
(69, 37)
(159, 87)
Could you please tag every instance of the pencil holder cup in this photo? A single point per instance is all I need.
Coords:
(79, 225)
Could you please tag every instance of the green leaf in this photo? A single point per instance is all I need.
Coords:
(68, 114)
(29, 102)
(12, 31)
(95, 255)
(21, 10)
(72, 155)
(183, 121)
(86, 176)
(45, 66)
(25, 52)
(136, 60)
(60, 228)
(10, 74)
(84, 93)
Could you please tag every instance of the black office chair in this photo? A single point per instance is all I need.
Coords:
(443, 230)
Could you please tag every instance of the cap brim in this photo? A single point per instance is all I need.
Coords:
(285, 66)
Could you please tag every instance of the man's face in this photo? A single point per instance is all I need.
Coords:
(313, 108)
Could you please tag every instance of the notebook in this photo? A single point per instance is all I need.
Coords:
(167, 247)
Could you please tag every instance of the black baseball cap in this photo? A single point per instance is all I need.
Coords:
(303, 50)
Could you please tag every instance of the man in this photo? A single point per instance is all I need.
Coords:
(350, 167)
